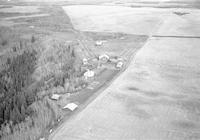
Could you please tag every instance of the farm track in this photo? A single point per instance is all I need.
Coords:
(88, 53)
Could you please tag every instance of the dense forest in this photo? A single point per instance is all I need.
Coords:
(14, 81)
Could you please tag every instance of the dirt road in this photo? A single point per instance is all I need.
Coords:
(158, 96)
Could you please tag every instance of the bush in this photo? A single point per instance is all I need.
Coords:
(33, 39)
(7, 37)
(4, 42)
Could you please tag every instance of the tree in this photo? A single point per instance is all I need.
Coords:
(23, 112)
(73, 53)
(14, 49)
(20, 44)
(8, 61)
(16, 115)
(4, 42)
(12, 117)
(6, 113)
(33, 39)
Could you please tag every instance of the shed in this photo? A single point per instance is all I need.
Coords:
(71, 106)
(55, 96)
(104, 57)
(98, 43)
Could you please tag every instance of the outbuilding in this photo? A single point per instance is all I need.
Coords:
(89, 74)
(98, 43)
(55, 97)
(71, 106)
(85, 61)
(119, 64)
(104, 57)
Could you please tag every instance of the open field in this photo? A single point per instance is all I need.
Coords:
(20, 9)
(120, 19)
(130, 3)
(114, 18)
